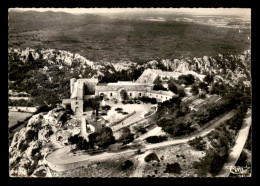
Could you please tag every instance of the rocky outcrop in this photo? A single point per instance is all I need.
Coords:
(39, 137)
(218, 66)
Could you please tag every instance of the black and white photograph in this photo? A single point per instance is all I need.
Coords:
(129, 92)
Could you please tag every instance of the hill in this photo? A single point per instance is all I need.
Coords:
(100, 38)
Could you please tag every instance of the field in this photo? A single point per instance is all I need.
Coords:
(16, 116)
(100, 38)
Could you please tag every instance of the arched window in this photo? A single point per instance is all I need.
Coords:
(140, 94)
(111, 94)
(166, 97)
(130, 94)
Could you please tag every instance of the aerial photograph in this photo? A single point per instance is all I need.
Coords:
(129, 92)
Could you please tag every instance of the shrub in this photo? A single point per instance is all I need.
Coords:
(127, 164)
(198, 143)
(173, 168)
(151, 157)
(118, 109)
(156, 139)
(30, 136)
(106, 107)
(43, 108)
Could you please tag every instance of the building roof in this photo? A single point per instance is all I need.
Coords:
(128, 86)
(161, 92)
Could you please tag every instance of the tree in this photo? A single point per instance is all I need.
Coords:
(151, 157)
(127, 164)
(198, 143)
(102, 138)
(158, 84)
(181, 92)
(127, 136)
(123, 94)
(172, 87)
(208, 78)
(186, 79)
(173, 168)
(194, 89)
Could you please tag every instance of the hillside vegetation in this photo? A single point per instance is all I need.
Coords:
(100, 38)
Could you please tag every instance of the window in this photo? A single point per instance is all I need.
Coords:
(161, 96)
(140, 94)
(111, 94)
(76, 102)
(150, 94)
(130, 94)
(166, 97)
(156, 95)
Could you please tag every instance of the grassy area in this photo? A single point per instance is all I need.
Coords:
(17, 116)
(100, 38)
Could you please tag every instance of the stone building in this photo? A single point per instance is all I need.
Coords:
(83, 89)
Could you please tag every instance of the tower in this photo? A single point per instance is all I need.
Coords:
(72, 81)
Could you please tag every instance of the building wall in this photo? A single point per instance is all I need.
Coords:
(77, 104)
(158, 97)
(116, 94)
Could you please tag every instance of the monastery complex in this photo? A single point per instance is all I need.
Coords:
(141, 87)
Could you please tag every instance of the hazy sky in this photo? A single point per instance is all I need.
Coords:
(244, 12)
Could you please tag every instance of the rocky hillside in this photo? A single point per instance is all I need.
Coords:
(42, 134)
(45, 73)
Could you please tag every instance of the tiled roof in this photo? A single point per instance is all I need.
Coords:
(161, 92)
(117, 87)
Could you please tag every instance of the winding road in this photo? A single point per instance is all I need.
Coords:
(60, 156)
(238, 147)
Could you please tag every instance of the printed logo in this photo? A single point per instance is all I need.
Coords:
(238, 169)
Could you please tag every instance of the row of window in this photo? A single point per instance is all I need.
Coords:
(157, 96)
(130, 94)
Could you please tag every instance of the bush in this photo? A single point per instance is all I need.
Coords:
(173, 168)
(151, 157)
(127, 164)
(106, 107)
(43, 108)
(156, 139)
(118, 109)
(23, 146)
(198, 143)
(30, 136)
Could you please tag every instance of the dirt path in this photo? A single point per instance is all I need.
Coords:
(141, 163)
(238, 147)
(60, 156)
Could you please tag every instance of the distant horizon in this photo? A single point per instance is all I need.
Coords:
(242, 12)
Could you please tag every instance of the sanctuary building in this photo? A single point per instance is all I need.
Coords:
(83, 89)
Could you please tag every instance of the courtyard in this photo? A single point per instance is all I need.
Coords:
(138, 110)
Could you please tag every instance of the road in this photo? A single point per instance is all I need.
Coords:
(60, 156)
(238, 147)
